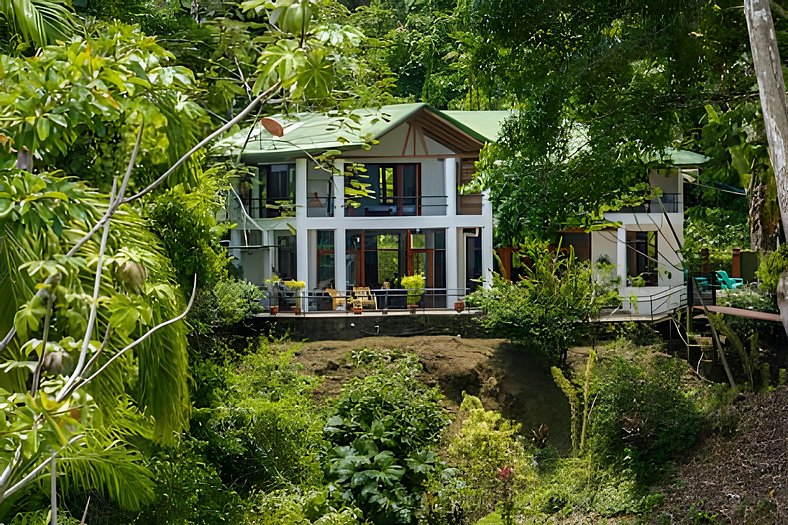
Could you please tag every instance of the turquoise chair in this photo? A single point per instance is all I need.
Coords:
(728, 283)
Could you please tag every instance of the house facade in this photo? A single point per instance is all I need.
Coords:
(388, 204)
(391, 202)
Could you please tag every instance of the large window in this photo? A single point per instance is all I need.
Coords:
(642, 257)
(276, 190)
(393, 189)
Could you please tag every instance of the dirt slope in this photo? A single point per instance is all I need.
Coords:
(740, 479)
(506, 378)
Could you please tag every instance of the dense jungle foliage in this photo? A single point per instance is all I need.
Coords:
(119, 353)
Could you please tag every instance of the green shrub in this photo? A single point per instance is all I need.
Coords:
(228, 303)
(486, 444)
(642, 418)
(550, 307)
(189, 490)
(382, 435)
(772, 265)
(297, 507)
(268, 433)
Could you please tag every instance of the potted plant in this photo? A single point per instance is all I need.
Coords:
(296, 287)
(357, 307)
(459, 305)
(272, 285)
(414, 286)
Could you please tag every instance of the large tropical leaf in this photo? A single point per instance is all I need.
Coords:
(38, 22)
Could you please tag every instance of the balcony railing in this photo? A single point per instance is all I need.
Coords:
(269, 208)
(399, 206)
(380, 300)
(320, 206)
(671, 202)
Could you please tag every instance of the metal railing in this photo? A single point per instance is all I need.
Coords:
(671, 202)
(382, 300)
(659, 304)
(319, 206)
(268, 208)
(399, 205)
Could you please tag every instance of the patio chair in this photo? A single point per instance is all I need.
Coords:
(337, 301)
(728, 283)
(365, 297)
(703, 283)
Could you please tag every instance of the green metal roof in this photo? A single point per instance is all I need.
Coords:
(486, 123)
(681, 157)
(315, 133)
(319, 132)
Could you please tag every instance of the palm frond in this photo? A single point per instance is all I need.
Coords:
(118, 472)
(40, 22)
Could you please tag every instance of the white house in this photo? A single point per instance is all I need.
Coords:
(391, 203)
(309, 223)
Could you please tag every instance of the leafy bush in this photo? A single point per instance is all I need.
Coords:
(486, 444)
(771, 267)
(185, 220)
(577, 485)
(642, 418)
(267, 434)
(382, 435)
(549, 308)
(295, 507)
(414, 284)
(750, 299)
(189, 490)
(228, 303)
(717, 229)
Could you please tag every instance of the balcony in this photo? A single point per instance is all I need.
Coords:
(670, 202)
(268, 208)
(319, 206)
(399, 206)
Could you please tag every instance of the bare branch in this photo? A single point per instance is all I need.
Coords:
(204, 142)
(42, 355)
(93, 309)
(71, 388)
(41, 466)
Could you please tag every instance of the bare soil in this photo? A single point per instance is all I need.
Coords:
(506, 378)
(739, 479)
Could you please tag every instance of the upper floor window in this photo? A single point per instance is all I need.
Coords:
(276, 190)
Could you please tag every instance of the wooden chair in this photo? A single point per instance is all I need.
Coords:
(365, 297)
(337, 300)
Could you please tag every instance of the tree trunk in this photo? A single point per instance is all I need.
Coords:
(771, 85)
(763, 232)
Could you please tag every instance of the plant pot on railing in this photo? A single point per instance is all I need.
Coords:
(273, 309)
(414, 286)
(296, 287)
(459, 305)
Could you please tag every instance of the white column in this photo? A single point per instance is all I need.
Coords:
(302, 234)
(487, 240)
(236, 239)
(300, 188)
(338, 181)
(340, 268)
(450, 185)
(487, 255)
(452, 262)
(621, 256)
(311, 281)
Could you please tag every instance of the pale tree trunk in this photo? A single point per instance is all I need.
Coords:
(763, 230)
(771, 85)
